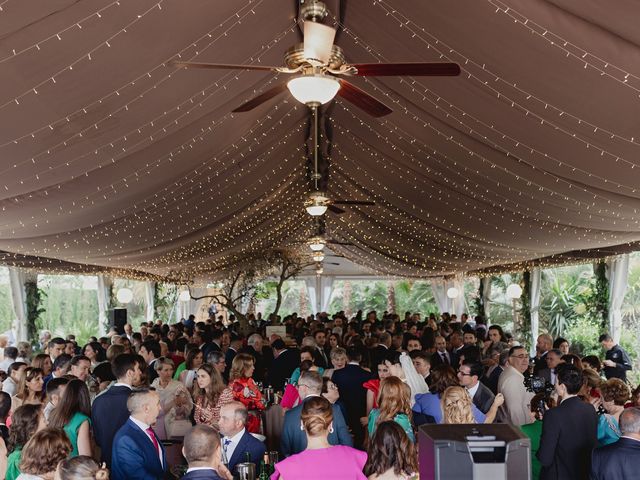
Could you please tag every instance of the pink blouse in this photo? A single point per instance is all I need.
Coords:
(338, 461)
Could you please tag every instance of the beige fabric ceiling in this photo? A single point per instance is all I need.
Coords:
(111, 156)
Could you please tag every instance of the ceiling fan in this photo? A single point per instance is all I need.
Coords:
(319, 63)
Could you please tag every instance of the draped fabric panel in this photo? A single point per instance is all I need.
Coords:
(105, 283)
(536, 276)
(617, 273)
(17, 279)
(149, 293)
(313, 290)
(327, 282)
(486, 295)
(439, 289)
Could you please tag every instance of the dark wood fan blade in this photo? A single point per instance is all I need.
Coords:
(260, 99)
(225, 66)
(335, 242)
(362, 100)
(335, 209)
(331, 263)
(353, 202)
(413, 69)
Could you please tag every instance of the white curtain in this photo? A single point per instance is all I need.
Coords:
(17, 278)
(313, 290)
(458, 304)
(104, 288)
(617, 274)
(486, 295)
(326, 283)
(439, 288)
(149, 293)
(535, 307)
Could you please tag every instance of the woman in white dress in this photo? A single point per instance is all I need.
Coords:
(175, 401)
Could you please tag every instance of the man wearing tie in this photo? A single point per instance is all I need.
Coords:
(137, 452)
(236, 441)
(440, 356)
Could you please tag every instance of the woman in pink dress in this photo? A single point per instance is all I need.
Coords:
(320, 460)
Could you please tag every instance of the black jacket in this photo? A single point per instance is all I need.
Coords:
(282, 368)
(483, 399)
(569, 434)
(349, 381)
(622, 361)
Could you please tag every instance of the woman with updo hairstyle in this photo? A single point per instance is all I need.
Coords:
(81, 468)
(320, 460)
(245, 389)
(42, 454)
(391, 455)
(457, 407)
(615, 394)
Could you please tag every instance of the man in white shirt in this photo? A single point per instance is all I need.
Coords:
(517, 400)
(202, 450)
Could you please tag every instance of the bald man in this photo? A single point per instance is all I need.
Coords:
(237, 442)
(202, 450)
(137, 452)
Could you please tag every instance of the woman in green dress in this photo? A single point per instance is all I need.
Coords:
(394, 403)
(73, 415)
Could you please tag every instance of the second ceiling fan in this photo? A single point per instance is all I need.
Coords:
(319, 63)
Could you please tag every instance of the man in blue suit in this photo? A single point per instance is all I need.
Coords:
(109, 410)
(202, 450)
(137, 452)
(620, 460)
(294, 439)
(236, 441)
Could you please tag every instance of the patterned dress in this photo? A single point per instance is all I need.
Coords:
(246, 391)
(210, 414)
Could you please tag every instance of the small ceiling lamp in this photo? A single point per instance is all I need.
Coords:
(313, 90)
(319, 270)
(317, 204)
(316, 244)
(184, 296)
(124, 295)
(514, 291)
(318, 256)
(453, 292)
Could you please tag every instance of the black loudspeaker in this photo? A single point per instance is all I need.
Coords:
(118, 319)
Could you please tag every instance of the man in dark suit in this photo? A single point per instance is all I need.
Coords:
(440, 356)
(469, 375)
(620, 460)
(137, 452)
(381, 351)
(569, 431)
(553, 359)
(254, 348)
(109, 410)
(349, 381)
(202, 450)
(150, 351)
(214, 345)
(294, 440)
(234, 347)
(59, 369)
(544, 343)
(285, 362)
(494, 363)
(236, 441)
(321, 355)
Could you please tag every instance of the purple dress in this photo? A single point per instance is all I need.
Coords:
(341, 462)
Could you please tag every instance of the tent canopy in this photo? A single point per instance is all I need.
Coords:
(114, 157)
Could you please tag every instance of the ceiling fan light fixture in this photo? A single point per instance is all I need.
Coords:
(316, 210)
(313, 89)
(318, 257)
(316, 244)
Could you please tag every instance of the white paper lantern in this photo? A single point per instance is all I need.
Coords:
(184, 296)
(514, 291)
(453, 292)
(124, 295)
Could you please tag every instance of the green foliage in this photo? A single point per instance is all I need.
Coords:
(34, 297)
(6, 308)
(583, 333)
(165, 296)
(525, 312)
(600, 299)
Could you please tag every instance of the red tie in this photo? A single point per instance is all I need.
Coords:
(153, 439)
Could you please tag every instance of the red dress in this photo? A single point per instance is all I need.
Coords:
(374, 386)
(246, 391)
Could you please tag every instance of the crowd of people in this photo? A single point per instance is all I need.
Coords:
(336, 397)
